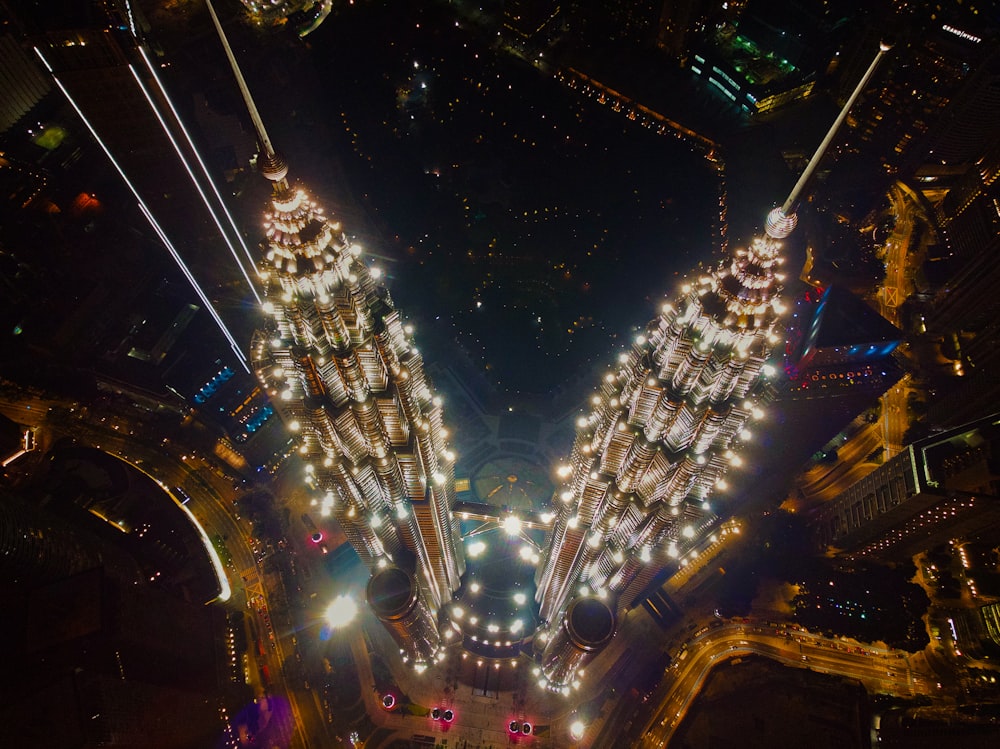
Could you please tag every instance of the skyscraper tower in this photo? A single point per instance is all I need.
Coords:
(342, 369)
(664, 428)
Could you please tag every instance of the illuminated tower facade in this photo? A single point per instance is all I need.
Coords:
(663, 429)
(341, 367)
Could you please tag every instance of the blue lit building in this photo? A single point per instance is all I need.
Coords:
(754, 84)
(839, 343)
(772, 54)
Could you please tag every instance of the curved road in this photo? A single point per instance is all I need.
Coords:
(212, 502)
(881, 671)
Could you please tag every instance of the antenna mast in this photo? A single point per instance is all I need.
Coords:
(273, 166)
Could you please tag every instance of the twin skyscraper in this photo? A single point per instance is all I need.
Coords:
(634, 495)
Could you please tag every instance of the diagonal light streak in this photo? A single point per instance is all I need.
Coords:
(201, 163)
(194, 180)
(152, 221)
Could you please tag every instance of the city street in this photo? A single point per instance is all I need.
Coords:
(881, 671)
(896, 288)
(212, 502)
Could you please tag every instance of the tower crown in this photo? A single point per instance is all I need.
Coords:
(300, 240)
(272, 165)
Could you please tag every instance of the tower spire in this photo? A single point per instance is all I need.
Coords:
(272, 165)
(781, 221)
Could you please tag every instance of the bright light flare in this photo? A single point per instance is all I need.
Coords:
(341, 612)
(512, 525)
(476, 548)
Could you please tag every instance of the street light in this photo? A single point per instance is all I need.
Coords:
(341, 612)
(512, 525)
(476, 548)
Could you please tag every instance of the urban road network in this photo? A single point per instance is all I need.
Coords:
(698, 643)
(742, 304)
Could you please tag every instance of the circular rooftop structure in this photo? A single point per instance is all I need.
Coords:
(503, 529)
(495, 610)
(392, 593)
(591, 623)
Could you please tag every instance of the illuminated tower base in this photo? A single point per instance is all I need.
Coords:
(587, 626)
(395, 599)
